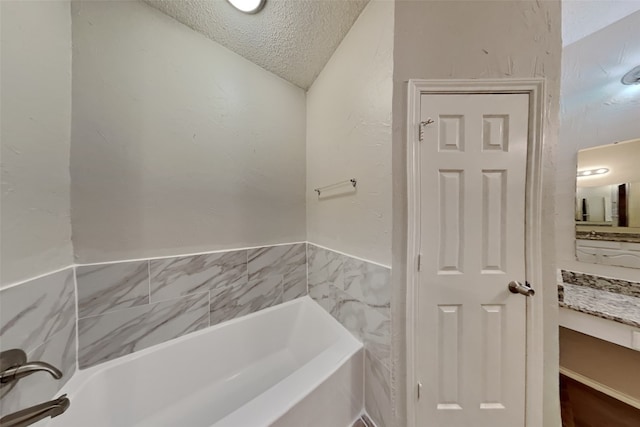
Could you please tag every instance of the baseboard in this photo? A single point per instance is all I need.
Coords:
(602, 388)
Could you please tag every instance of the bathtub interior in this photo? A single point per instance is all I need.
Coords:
(202, 378)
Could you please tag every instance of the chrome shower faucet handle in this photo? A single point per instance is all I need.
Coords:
(14, 366)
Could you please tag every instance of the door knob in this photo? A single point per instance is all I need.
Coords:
(518, 288)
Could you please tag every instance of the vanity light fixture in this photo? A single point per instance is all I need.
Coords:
(590, 172)
(248, 6)
(632, 77)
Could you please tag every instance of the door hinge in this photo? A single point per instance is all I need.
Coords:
(419, 388)
(421, 126)
(419, 262)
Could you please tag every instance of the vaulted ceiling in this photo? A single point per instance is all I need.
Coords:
(581, 18)
(294, 39)
(592, 68)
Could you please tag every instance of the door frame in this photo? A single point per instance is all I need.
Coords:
(535, 88)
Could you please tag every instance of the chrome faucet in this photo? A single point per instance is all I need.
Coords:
(32, 415)
(17, 372)
(14, 366)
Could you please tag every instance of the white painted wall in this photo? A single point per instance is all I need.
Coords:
(470, 39)
(35, 134)
(596, 110)
(178, 144)
(349, 136)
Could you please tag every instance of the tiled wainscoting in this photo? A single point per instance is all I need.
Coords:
(358, 294)
(128, 306)
(123, 307)
(39, 316)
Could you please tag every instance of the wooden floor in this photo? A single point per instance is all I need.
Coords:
(583, 406)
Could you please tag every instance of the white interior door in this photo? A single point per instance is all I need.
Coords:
(471, 330)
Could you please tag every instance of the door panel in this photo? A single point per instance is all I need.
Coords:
(472, 330)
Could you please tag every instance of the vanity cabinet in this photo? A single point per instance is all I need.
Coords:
(622, 254)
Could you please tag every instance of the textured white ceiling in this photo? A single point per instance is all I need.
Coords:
(291, 38)
(595, 62)
(597, 108)
(581, 18)
(593, 66)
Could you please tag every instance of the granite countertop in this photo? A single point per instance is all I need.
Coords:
(608, 236)
(607, 305)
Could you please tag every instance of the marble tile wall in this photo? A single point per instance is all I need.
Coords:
(125, 307)
(358, 294)
(39, 316)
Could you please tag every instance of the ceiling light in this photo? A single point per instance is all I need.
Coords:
(589, 172)
(248, 6)
(632, 77)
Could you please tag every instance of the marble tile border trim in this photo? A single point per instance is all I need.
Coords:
(608, 284)
(189, 254)
(349, 255)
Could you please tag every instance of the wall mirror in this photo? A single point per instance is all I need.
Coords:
(607, 212)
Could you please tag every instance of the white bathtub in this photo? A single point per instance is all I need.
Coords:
(289, 365)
